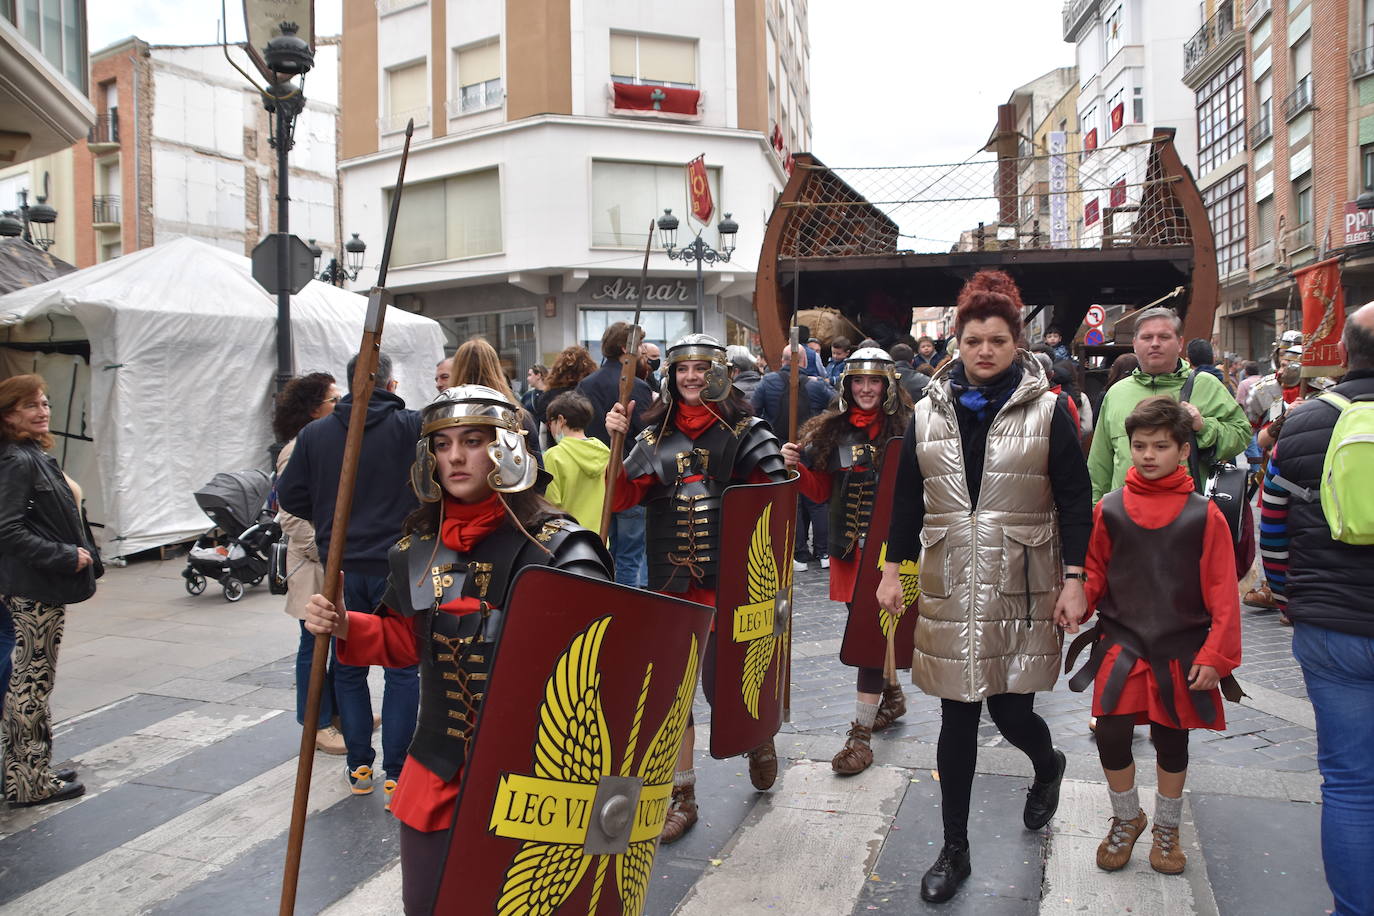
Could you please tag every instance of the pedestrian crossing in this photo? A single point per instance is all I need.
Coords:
(161, 830)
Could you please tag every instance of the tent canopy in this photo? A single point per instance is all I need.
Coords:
(22, 264)
(179, 386)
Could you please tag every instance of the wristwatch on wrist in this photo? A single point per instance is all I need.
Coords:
(1075, 575)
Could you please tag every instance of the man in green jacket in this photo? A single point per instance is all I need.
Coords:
(1218, 421)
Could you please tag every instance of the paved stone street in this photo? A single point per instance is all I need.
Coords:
(177, 710)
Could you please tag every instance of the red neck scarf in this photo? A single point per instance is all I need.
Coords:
(466, 524)
(1180, 481)
(867, 420)
(693, 420)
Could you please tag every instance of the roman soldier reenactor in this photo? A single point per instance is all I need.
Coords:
(700, 438)
(479, 523)
(838, 457)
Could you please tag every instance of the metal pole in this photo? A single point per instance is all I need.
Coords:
(285, 365)
(701, 294)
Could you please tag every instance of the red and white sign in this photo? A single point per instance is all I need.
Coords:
(1096, 315)
(1117, 195)
(1358, 224)
(699, 190)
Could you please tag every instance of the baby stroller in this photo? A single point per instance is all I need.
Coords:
(237, 502)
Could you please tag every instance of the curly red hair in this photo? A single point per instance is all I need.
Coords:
(989, 294)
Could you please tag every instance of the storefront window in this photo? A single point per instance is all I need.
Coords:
(661, 326)
(511, 333)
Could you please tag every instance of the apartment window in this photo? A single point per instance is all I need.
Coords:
(651, 60)
(626, 195)
(1367, 166)
(1264, 90)
(1302, 58)
(456, 217)
(1302, 213)
(1369, 23)
(407, 96)
(111, 250)
(1221, 115)
(478, 76)
(1112, 30)
(1138, 106)
(1264, 219)
(1225, 202)
(1116, 112)
(1087, 126)
(57, 28)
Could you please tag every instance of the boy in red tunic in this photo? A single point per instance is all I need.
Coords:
(1161, 574)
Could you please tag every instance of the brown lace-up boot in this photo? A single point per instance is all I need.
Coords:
(1165, 855)
(682, 814)
(763, 765)
(1115, 849)
(856, 755)
(892, 708)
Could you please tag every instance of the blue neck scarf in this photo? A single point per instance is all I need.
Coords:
(987, 399)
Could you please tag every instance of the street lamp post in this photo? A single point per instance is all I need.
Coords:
(697, 250)
(337, 273)
(34, 224)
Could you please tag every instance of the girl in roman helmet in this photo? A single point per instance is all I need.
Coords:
(838, 457)
(475, 480)
(699, 438)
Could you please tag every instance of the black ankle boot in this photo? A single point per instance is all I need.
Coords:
(950, 871)
(1042, 798)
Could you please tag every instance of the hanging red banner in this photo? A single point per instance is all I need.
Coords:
(1090, 140)
(1118, 116)
(1323, 317)
(1091, 211)
(629, 97)
(699, 190)
(1117, 195)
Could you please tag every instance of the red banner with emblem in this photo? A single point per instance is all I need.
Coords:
(1323, 317)
(629, 97)
(699, 190)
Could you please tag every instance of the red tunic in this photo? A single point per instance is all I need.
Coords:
(1154, 504)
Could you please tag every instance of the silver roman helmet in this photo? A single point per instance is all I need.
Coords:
(475, 405)
(697, 347)
(875, 362)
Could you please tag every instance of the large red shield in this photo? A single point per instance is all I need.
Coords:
(865, 633)
(571, 771)
(753, 615)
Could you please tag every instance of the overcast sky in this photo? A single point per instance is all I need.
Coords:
(908, 82)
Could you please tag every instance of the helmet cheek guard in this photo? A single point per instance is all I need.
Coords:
(515, 470)
(422, 479)
(717, 383)
(701, 347)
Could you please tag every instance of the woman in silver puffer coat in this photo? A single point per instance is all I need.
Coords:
(993, 493)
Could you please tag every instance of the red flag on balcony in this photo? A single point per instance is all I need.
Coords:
(1118, 116)
(1090, 140)
(1323, 317)
(699, 190)
(630, 97)
(1091, 212)
(1117, 195)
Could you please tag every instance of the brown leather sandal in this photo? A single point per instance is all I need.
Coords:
(892, 708)
(856, 755)
(682, 814)
(763, 765)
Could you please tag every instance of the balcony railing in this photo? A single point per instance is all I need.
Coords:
(105, 209)
(1075, 11)
(1262, 130)
(1211, 36)
(1300, 237)
(397, 121)
(105, 130)
(1299, 100)
(477, 97)
(1362, 62)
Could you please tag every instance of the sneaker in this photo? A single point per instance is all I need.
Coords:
(359, 780)
(798, 566)
(1042, 798)
(1165, 856)
(330, 741)
(825, 562)
(951, 869)
(1115, 849)
(388, 787)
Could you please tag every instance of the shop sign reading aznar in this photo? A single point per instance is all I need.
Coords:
(623, 289)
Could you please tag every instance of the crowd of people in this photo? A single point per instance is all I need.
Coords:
(1028, 506)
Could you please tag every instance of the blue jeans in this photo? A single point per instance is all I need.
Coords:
(627, 547)
(816, 517)
(400, 697)
(1339, 671)
(305, 658)
(6, 652)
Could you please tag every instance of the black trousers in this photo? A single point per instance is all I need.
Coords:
(422, 860)
(957, 753)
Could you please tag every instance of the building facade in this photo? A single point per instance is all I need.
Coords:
(180, 147)
(548, 137)
(44, 79)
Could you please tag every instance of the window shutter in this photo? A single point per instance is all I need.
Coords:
(479, 64)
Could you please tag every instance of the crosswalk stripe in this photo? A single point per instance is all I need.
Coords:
(379, 894)
(1074, 885)
(147, 749)
(178, 854)
(828, 834)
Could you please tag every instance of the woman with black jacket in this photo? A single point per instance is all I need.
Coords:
(46, 563)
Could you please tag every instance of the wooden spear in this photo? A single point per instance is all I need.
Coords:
(793, 386)
(628, 361)
(364, 375)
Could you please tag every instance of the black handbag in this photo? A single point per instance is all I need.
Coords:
(1220, 481)
(277, 573)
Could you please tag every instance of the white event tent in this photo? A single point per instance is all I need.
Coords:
(179, 386)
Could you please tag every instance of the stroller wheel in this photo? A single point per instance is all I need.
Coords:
(233, 589)
(195, 583)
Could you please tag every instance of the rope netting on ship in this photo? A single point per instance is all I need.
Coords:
(1108, 197)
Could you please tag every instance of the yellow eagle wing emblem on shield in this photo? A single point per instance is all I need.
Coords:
(908, 573)
(755, 621)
